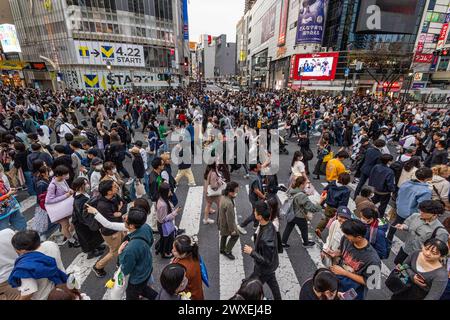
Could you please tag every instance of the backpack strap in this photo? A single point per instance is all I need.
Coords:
(433, 235)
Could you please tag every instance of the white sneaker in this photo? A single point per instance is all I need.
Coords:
(247, 176)
(208, 221)
(130, 181)
(192, 184)
(241, 230)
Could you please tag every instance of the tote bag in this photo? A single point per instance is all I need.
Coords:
(60, 210)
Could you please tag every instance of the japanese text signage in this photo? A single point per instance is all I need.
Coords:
(100, 53)
(311, 21)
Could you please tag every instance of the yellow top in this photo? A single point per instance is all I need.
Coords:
(334, 168)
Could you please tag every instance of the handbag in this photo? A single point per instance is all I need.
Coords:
(204, 272)
(398, 280)
(168, 227)
(60, 210)
(308, 155)
(40, 220)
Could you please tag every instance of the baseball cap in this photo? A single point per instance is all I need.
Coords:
(96, 161)
(344, 212)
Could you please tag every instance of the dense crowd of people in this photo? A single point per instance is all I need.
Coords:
(68, 149)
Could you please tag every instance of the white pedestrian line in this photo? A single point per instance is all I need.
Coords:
(285, 274)
(28, 203)
(231, 272)
(190, 220)
(81, 267)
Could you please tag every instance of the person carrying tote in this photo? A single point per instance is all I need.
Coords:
(59, 191)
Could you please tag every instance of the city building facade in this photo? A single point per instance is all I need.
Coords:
(105, 44)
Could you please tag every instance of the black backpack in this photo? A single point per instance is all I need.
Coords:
(153, 186)
(92, 137)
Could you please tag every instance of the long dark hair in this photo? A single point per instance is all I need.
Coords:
(164, 190)
(209, 168)
(297, 157)
(185, 245)
(274, 208)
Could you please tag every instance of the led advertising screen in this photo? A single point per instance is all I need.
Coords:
(8, 38)
(388, 16)
(315, 66)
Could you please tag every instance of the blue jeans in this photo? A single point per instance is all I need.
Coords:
(29, 181)
(16, 220)
(346, 284)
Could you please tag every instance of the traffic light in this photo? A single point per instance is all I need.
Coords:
(442, 53)
(186, 61)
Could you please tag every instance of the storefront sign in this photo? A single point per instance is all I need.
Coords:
(38, 66)
(12, 65)
(442, 36)
(100, 53)
(311, 21)
(281, 51)
(283, 23)
(418, 76)
(185, 20)
(423, 58)
(419, 85)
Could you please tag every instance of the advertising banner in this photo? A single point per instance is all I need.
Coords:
(110, 80)
(8, 38)
(99, 53)
(387, 16)
(268, 24)
(315, 66)
(442, 36)
(283, 23)
(311, 21)
(185, 20)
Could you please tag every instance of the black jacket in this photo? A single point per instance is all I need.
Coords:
(20, 161)
(138, 167)
(265, 253)
(80, 216)
(370, 160)
(107, 208)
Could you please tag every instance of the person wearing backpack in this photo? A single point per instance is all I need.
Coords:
(382, 181)
(86, 228)
(301, 206)
(79, 159)
(410, 195)
(337, 195)
(376, 232)
(421, 227)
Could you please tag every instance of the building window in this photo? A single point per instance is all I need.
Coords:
(249, 40)
(249, 29)
(431, 5)
(443, 64)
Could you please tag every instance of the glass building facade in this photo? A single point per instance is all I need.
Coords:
(50, 28)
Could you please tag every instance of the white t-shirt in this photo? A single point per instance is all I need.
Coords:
(41, 288)
(298, 169)
(7, 254)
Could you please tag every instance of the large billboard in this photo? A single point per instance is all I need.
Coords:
(388, 16)
(314, 66)
(311, 21)
(117, 54)
(283, 23)
(268, 24)
(8, 38)
(185, 20)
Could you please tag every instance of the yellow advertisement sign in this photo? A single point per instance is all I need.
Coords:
(242, 56)
(12, 65)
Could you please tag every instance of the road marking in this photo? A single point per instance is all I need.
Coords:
(81, 267)
(286, 277)
(190, 220)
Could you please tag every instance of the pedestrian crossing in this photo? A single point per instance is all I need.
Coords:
(297, 264)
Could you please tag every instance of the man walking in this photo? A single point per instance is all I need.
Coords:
(227, 220)
(265, 253)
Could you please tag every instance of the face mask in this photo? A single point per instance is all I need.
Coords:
(50, 173)
(66, 177)
(114, 170)
(98, 168)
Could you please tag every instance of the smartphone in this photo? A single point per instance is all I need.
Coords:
(350, 294)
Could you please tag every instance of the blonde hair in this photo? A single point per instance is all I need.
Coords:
(440, 170)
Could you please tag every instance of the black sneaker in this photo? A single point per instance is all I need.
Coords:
(74, 244)
(100, 273)
(309, 244)
(285, 245)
